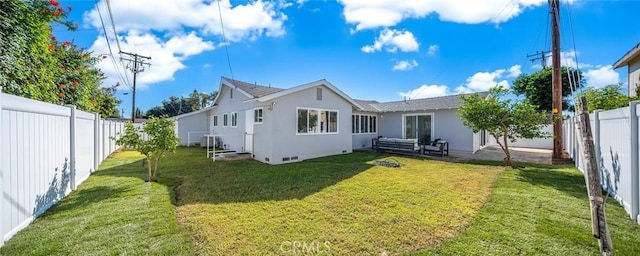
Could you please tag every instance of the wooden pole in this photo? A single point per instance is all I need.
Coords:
(599, 228)
(556, 80)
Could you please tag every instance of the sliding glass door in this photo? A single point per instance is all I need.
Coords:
(418, 126)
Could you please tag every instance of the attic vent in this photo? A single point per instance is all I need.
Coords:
(319, 93)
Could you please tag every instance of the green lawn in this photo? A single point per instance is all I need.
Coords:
(341, 205)
(112, 213)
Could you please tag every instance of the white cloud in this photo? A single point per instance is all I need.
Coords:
(392, 40)
(567, 59)
(514, 71)
(166, 57)
(367, 14)
(433, 49)
(478, 82)
(426, 91)
(601, 76)
(405, 65)
(482, 81)
(244, 21)
(171, 31)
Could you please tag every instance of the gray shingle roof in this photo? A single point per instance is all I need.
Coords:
(255, 90)
(443, 102)
(368, 105)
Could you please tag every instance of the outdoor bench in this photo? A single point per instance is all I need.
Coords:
(440, 147)
(397, 145)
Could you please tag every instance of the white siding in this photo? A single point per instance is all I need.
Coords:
(192, 127)
(633, 76)
(447, 125)
(363, 140)
(285, 141)
(232, 137)
(35, 149)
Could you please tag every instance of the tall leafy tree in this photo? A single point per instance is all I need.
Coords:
(606, 98)
(538, 90)
(504, 120)
(33, 64)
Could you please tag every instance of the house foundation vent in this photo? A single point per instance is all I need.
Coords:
(294, 158)
(284, 159)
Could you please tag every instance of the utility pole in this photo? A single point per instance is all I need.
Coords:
(539, 55)
(599, 227)
(556, 81)
(137, 67)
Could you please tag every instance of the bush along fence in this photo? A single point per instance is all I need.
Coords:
(616, 137)
(46, 151)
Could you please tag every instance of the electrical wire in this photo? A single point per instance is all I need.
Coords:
(113, 25)
(112, 58)
(226, 43)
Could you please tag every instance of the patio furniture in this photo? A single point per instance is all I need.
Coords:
(438, 146)
(396, 145)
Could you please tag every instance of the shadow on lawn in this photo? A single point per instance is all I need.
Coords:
(192, 178)
(252, 181)
(571, 183)
(84, 197)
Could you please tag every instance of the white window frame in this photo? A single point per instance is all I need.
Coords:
(234, 119)
(360, 128)
(225, 119)
(258, 119)
(215, 120)
(433, 122)
(319, 111)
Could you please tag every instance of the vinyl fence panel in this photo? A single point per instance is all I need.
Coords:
(616, 138)
(44, 154)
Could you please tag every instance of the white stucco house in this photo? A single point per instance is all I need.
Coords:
(631, 60)
(317, 119)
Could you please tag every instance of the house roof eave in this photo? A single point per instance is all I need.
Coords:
(631, 54)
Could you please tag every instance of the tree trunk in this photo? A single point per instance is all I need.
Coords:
(155, 167)
(505, 148)
(506, 151)
(149, 169)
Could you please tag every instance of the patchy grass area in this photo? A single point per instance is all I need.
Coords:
(114, 212)
(541, 210)
(342, 203)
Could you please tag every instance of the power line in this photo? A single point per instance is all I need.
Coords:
(226, 47)
(113, 25)
(113, 61)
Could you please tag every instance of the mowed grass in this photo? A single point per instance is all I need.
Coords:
(541, 210)
(342, 204)
(114, 212)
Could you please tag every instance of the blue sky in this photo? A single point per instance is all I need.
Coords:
(382, 50)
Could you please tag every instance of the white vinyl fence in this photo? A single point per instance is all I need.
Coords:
(46, 150)
(615, 134)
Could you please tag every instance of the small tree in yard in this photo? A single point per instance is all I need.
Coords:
(161, 140)
(504, 120)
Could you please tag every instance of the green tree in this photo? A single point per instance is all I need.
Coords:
(606, 98)
(503, 119)
(537, 88)
(33, 64)
(161, 139)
